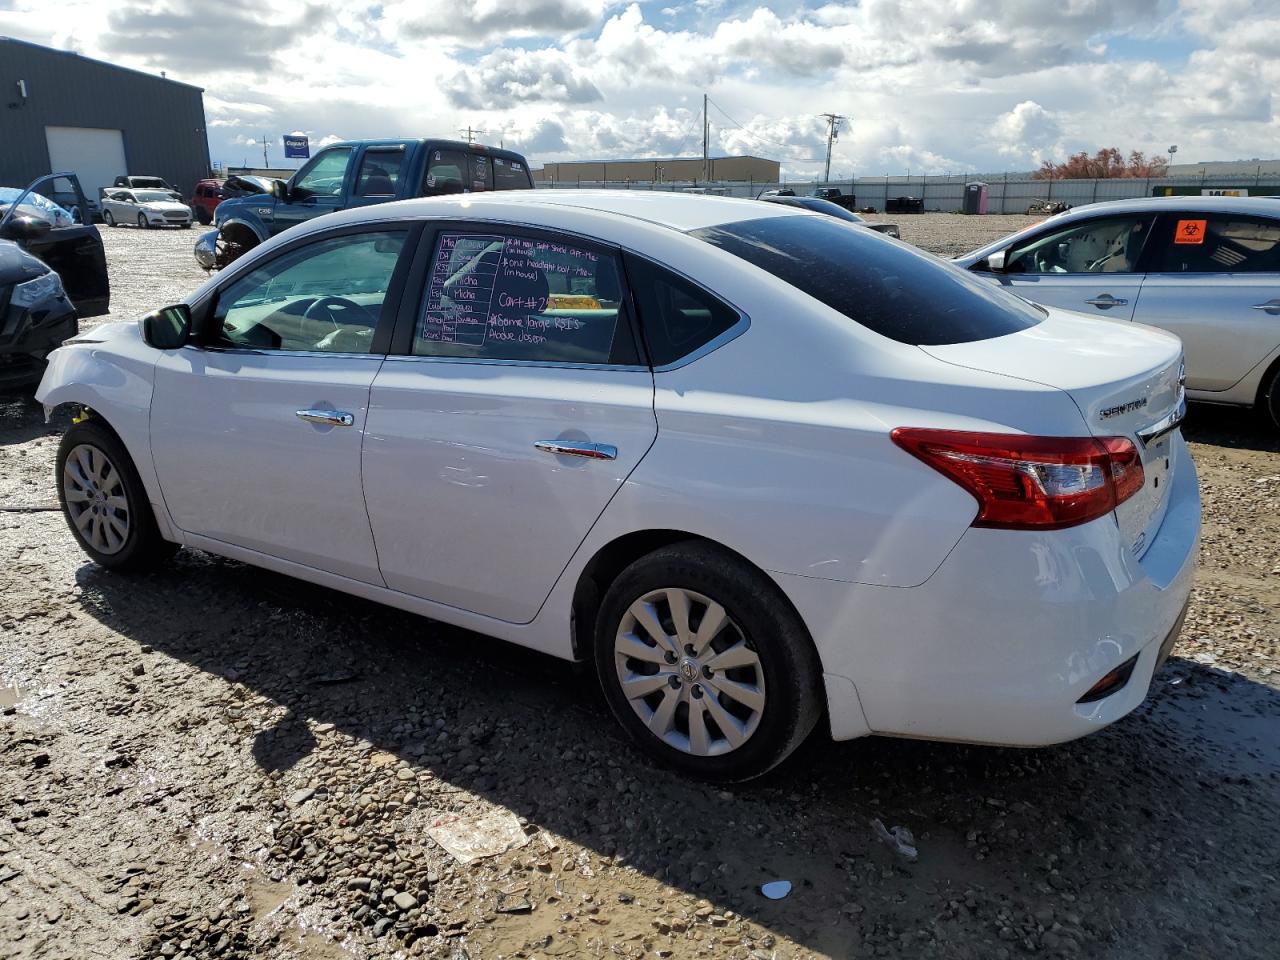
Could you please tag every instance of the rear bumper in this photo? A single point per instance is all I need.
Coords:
(1000, 644)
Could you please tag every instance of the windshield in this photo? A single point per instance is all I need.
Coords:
(34, 205)
(150, 196)
(891, 288)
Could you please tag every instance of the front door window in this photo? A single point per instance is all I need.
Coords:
(324, 177)
(324, 297)
(1110, 245)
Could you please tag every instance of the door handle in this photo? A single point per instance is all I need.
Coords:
(1271, 306)
(573, 448)
(328, 418)
(1107, 300)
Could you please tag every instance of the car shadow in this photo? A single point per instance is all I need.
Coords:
(22, 419)
(1230, 427)
(993, 826)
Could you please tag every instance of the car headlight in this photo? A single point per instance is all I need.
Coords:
(28, 294)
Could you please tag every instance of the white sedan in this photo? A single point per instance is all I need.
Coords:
(1204, 268)
(146, 208)
(765, 468)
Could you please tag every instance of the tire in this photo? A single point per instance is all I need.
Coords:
(203, 216)
(122, 534)
(187, 225)
(142, 221)
(76, 215)
(1269, 399)
(773, 664)
(108, 218)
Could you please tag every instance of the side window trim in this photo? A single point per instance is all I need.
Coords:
(728, 335)
(205, 310)
(401, 345)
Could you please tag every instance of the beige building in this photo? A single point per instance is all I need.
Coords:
(661, 170)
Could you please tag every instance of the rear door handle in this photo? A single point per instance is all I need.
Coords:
(328, 418)
(573, 448)
(1271, 306)
(1107, 300)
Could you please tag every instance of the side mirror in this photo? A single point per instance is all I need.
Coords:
(280, 191)
(167, 328)
(26, 228)
(996, 261)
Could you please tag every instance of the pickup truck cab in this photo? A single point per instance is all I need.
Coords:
(358, 173)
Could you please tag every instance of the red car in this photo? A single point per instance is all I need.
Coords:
(205, 197)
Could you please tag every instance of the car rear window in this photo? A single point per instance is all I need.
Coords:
(891, 288)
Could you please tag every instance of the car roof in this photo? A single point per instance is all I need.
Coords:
(1264, 205)
(677, 211)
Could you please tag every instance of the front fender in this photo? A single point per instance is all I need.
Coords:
(111, 372)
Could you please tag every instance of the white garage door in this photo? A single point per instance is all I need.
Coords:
(94, 155)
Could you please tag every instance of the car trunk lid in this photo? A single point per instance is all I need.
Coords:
(1126, 380)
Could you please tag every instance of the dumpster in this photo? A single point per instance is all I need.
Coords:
(904, 205)
(975, 197)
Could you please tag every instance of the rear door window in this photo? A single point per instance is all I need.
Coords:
(380, 171)
(1216, 243)
(893, 289)
(460, 171)
(493, 295)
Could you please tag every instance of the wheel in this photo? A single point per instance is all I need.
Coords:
(142, 221)
(1270, 399)
(204, 216)
(187, 225)
(108, 218)
(705, 664)
(104, 502)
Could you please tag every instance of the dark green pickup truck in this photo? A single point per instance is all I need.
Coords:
(355, 173)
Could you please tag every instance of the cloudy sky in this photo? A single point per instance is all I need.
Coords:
(932, 86)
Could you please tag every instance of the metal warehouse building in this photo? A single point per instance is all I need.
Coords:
(657, 170)
(60, 111)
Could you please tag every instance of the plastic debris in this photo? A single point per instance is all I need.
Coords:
(899, 839)
(477, 837)
(776, 889)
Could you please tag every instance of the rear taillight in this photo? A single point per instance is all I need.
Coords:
(1031, 483)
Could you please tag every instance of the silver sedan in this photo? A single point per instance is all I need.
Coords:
(1206, 268)
(146, 208)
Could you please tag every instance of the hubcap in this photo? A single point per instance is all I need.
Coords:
(96, 504)
(689, 672)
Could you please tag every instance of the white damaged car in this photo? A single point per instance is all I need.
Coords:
(769, 471)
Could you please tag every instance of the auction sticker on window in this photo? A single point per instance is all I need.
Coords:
(1190, 231)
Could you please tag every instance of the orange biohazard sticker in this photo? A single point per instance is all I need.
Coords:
(1190, 231)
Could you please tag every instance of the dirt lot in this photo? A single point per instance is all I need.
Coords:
(213, 761)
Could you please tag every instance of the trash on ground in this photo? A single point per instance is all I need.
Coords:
(776, 889)
(899, 839)
(513, 903)
(477, 837)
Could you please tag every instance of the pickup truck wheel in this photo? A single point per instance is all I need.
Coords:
(142, 221)
(108, 218)
(104, 501)
(705, 664)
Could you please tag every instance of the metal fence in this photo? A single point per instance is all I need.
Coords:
(946, 194)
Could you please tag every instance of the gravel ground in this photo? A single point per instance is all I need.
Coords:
(215, 761)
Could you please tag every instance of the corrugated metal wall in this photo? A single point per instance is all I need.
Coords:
(162, 120)
(946, 194)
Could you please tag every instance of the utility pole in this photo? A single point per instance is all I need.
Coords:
(706, 140)
(265, 163)
(833, 133)
(471, 134)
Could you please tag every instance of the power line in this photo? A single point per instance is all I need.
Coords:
(833, 131)
(756, 136)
